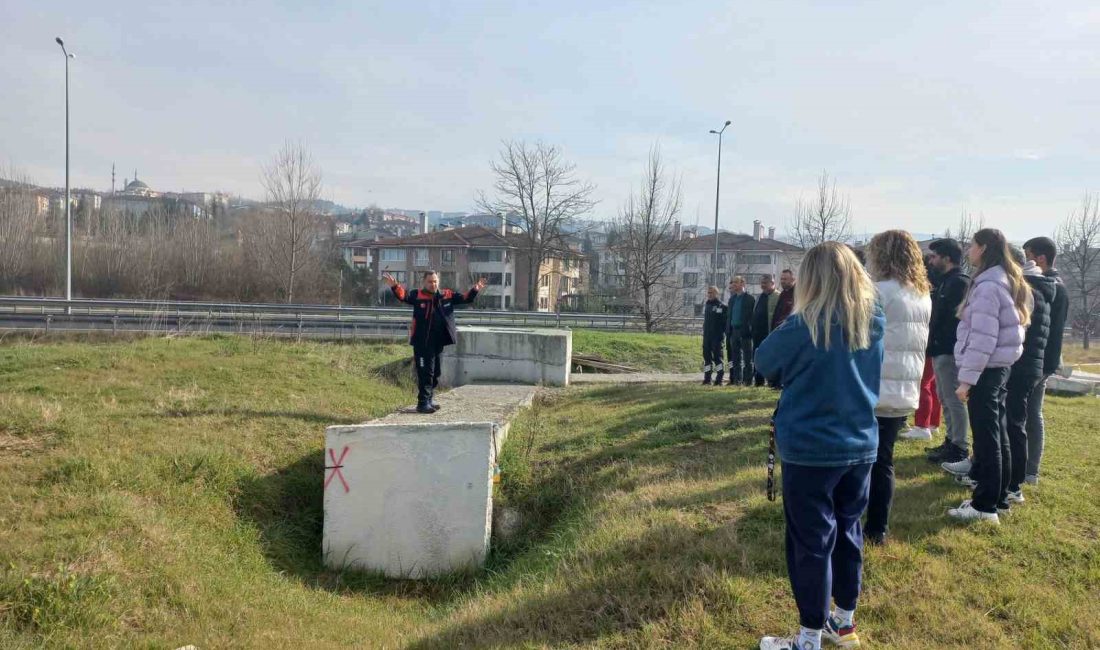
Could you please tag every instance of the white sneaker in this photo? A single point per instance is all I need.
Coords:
(966, 512)
(961, 468)
(1015, 497)
(779, 643)
(965, 480)
(917, 433)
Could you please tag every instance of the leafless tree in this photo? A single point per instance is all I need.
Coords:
(648, 242)
(294, 225)
(826, 217)
(18, 207)
(539, 193)
(1078, 241)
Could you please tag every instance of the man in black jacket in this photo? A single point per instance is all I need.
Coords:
(714, 333)
(1027, 372)
(762, 316)
(951, 290)
(432, 328)
(1043, 251)
(739, 333)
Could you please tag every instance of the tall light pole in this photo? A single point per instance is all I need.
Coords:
(717, 190)
(68, 198)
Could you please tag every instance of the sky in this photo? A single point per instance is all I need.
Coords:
(919, 111)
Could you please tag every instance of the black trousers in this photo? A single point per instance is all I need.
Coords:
(428, 367)
(882, 477)
(712, 355)
(992, 453)
(739, 353)
(1021, 384)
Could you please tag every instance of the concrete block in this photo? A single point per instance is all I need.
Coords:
(508, 354)
(410, 495)
(1070, 386)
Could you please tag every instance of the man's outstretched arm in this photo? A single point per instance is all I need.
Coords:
(469, 296)
(398, 290)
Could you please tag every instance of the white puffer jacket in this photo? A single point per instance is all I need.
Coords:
(907, 316)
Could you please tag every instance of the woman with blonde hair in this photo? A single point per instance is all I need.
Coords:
(827, 356)
(990, 339)
(897, 267)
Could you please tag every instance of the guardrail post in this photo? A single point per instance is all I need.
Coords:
(48, 319)
(114, 324)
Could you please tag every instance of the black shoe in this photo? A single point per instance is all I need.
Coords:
(939, 448)
(874, 539)
(718, 380)
(424, 408)
(706, 379)
(435, 406)
(952, 454)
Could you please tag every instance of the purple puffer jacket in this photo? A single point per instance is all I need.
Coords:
(990, 334)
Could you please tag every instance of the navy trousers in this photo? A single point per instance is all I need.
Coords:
(428, 369)
(823, 506)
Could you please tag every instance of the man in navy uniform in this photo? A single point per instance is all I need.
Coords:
(432, 328)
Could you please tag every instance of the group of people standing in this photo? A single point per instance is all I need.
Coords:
(740, 325)
(853, 358)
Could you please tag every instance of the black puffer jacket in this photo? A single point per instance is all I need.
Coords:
(1059, 310)
(946, 296)
(1035, 339)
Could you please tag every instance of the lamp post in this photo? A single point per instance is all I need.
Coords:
(717, 189)
(68, 198)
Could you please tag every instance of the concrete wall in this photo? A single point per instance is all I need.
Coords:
(504, 354)
(411, 500)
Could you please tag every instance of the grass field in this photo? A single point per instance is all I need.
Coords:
(166, 492)
(663, 352)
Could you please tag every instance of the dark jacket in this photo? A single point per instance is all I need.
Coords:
(826, 414)
(715, 320)
(1032, 360)
(946, 297)
(747, 305)
(784, 308)
(761, 324)
(427, 307)
(1059, 311)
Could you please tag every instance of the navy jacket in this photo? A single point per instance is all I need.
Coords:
(826, 415)
(427, 307)
(1059, 311)
(715, 320)
(947, 294)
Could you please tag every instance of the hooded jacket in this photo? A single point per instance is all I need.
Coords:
(907, 315)
(1043, 292)
(990, 334)
(947, 294)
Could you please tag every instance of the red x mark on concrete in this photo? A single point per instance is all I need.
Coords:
(336, 467)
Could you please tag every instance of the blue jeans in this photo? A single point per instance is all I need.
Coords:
(822, 506)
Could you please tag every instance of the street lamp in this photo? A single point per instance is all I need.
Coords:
(717, 188)
(68, 199)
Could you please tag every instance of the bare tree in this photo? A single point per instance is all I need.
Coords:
(539, 193)
(18, 206)
(648, 242)
(293, 186)
(1078, 241)
(827, 217)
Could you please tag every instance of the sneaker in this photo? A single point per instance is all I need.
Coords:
(966, 481)
(842, 637)
(779, 643)
(938, 448)
(961, 468)
(434, 405)
(1031, 479)
(424, 408)
(966, 512)
(950, 454)
(874, 539)
(1015, 497)
(917, 433)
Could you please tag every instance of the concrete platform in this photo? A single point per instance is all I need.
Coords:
(409, 494)
(508, 354)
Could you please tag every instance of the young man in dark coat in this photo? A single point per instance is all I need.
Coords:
(1042, 251)
(948, 293)
(715, 319)
(739, 333)
(432, 328)
(786, 298)
(1027, 372)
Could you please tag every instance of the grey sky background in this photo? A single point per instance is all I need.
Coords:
(919, 110)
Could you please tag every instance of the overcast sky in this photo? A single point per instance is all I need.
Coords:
(919, 110)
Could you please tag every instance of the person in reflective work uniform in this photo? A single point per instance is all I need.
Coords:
(432, 328)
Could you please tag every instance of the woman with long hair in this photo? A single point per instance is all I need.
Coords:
(827, 356)
(990, 339)
(895, 263)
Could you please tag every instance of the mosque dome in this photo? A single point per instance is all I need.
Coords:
(136, 185)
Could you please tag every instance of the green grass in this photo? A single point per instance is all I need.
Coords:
(166, 492)
(1073, 353)
(650, 352)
